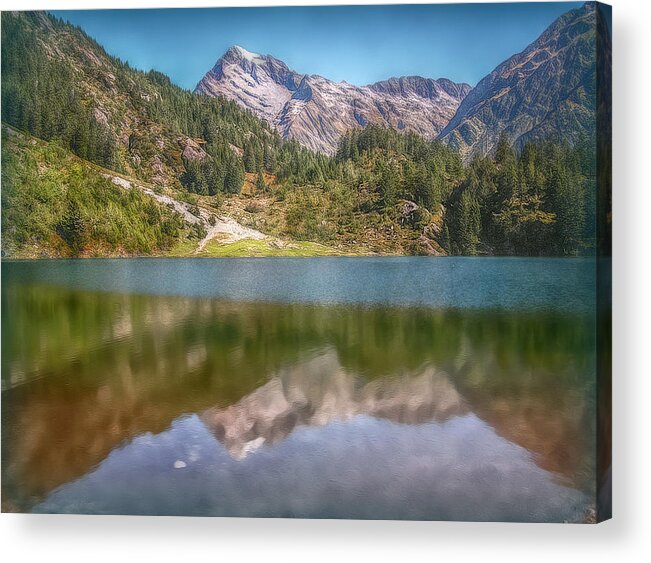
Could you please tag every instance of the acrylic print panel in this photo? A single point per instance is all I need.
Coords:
(313, 262)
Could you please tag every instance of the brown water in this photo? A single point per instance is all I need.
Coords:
(135, 403)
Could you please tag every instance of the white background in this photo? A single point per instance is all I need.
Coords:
(626, 538)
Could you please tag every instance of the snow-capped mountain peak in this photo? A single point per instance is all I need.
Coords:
(248, 55)
(317, 112)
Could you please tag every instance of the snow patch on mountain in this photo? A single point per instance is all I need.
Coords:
(248, 55)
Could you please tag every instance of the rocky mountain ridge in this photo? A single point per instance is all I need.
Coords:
(546, 91)
(316, 111)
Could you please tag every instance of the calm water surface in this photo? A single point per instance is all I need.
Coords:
(336, 387)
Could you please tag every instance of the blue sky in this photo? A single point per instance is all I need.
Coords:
(359, 44)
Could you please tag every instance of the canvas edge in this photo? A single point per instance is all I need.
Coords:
(604, 258)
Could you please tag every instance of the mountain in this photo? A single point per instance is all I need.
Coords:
(546, 91)
(316, 111)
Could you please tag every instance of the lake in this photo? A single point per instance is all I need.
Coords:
(383, 388)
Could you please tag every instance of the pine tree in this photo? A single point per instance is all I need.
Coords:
(504, 153)
(269, 159)
(469, 223)
(260, 185)
(250, 164)
(447, 242)
(423, 188)
(234, 177)
(387, 186)
(567, 196)
(72, 229)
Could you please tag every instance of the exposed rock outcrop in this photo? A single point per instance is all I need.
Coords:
(192, 150)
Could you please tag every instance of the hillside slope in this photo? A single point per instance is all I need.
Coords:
(58, 83)
(55, 204)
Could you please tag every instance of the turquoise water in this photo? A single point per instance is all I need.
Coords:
(404, 388)
(464, 282)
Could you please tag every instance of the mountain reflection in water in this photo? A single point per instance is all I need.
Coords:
(171, 405)
(319, 391)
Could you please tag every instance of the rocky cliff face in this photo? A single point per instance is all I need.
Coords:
(316, 111)
(547, 90)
